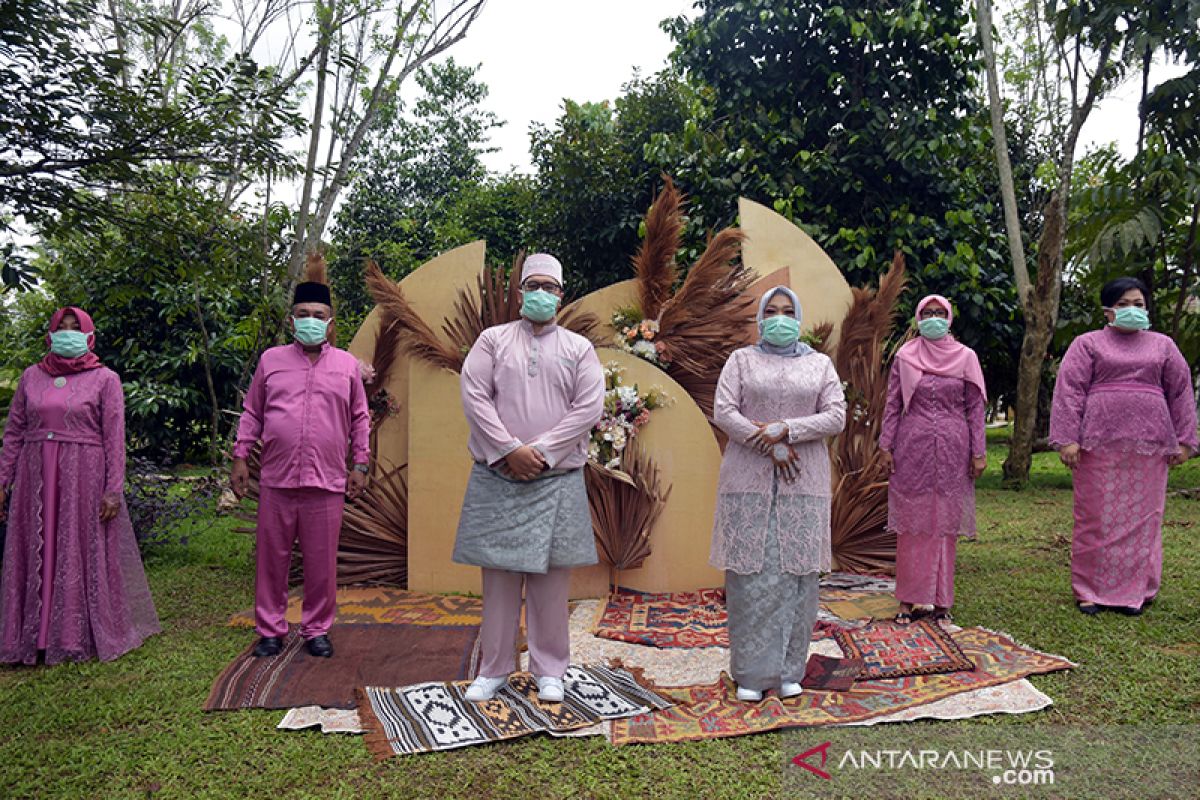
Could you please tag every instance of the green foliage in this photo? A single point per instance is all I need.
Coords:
(179, 290)
(860, 122)
(597, 177)
(420, 188)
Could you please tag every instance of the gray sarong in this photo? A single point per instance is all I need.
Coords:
(525, 526)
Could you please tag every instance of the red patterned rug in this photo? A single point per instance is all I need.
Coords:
(712, 712)
(889, 650)
(831, 674)
(672, 619)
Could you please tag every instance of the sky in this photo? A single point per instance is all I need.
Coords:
(534, 53)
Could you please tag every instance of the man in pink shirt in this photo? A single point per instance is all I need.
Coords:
(307, 405)
(532, 392)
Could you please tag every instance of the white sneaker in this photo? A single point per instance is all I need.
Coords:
(550, 690)
(789, 689)
(484, 688)
(749, 695)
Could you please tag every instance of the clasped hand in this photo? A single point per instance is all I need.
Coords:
(769, 440)
(523, 464)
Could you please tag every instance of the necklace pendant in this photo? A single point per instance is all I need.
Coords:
(60, 381)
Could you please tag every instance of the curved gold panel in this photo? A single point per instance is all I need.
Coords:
(432, 289)
(603, 302)
(773, 242)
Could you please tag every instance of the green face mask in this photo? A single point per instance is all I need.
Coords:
(933, 328)
(310, 330)
(539, 306)
(780, 330)
(1131, 318)
(68, 344)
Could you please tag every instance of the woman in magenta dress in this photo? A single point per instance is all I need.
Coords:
(1123, 411)
(72, 584)
(933, 444)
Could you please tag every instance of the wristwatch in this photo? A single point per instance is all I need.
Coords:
(363, 468)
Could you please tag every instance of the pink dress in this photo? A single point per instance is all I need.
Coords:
(931, 496)
(71, 585)
(1126, 399)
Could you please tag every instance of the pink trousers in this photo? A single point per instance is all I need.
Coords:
(925, 569)
(546, 622)
(315, 517)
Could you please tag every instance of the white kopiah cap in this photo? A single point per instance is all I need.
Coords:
(542, 264)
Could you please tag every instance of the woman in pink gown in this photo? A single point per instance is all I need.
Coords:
(933, 443)
(1123, 411)
(72, 585)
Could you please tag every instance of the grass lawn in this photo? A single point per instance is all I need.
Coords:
(134, 728)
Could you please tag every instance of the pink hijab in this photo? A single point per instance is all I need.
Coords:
(58, 365)
(946, 356)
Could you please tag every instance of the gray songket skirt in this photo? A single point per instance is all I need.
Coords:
(771, 618)
(525, 526)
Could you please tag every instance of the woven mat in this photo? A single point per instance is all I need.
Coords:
(435, 716)
(380, 604)
(712, 712)
(698, 619)
(888, 650)
(372, 654)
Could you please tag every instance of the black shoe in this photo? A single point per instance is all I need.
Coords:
(320, 646)
(268, 646)
(1126, 610)
(1091, 609)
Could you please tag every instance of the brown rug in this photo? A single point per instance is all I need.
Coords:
(365, 655)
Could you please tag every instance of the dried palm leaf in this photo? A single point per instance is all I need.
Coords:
(625, 505)
(822, 334)
(654, 264)
(387, 348)
(373, 547)
(315, 269)
(695, 324)
(859, 540)
(416, 338)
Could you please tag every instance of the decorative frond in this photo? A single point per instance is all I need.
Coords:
(859, 540)
(625, 505)
(654, 264)
(415, 338)
(695, 325)
(315, 269)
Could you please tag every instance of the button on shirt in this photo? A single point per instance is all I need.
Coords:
(307, 414)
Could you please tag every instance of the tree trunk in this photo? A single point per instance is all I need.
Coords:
(1041, 315)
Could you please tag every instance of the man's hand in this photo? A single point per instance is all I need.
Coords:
(525, 463)
(888, 463)
(1069, 455)
(110, 504)
(978, 465)
(356, 484)
(239, 477)
(1182, 455)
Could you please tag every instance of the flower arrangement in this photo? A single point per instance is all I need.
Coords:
(639, 336)
(626, 411)
(382, 405)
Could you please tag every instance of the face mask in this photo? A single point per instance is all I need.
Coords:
(780, 330)
(310, 330)
(68, 344)
(1131, 318)
(933, 328)
(539, 306)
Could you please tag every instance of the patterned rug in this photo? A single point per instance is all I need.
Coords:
(435, 716)
(365, 655)
(831, 674)
(888, 650)
(380, 604)
(698, 619)
(711, 712)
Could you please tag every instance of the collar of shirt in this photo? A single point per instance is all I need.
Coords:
(325, 346)
(527, 326)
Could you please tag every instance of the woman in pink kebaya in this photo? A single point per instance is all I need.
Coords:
(933, 444)
(1123, 412)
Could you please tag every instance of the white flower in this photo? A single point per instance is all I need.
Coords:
(644, 349)
(628, 396)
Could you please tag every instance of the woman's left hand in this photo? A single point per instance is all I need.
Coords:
(978, 465)
(1183, 454)
(109, 506)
